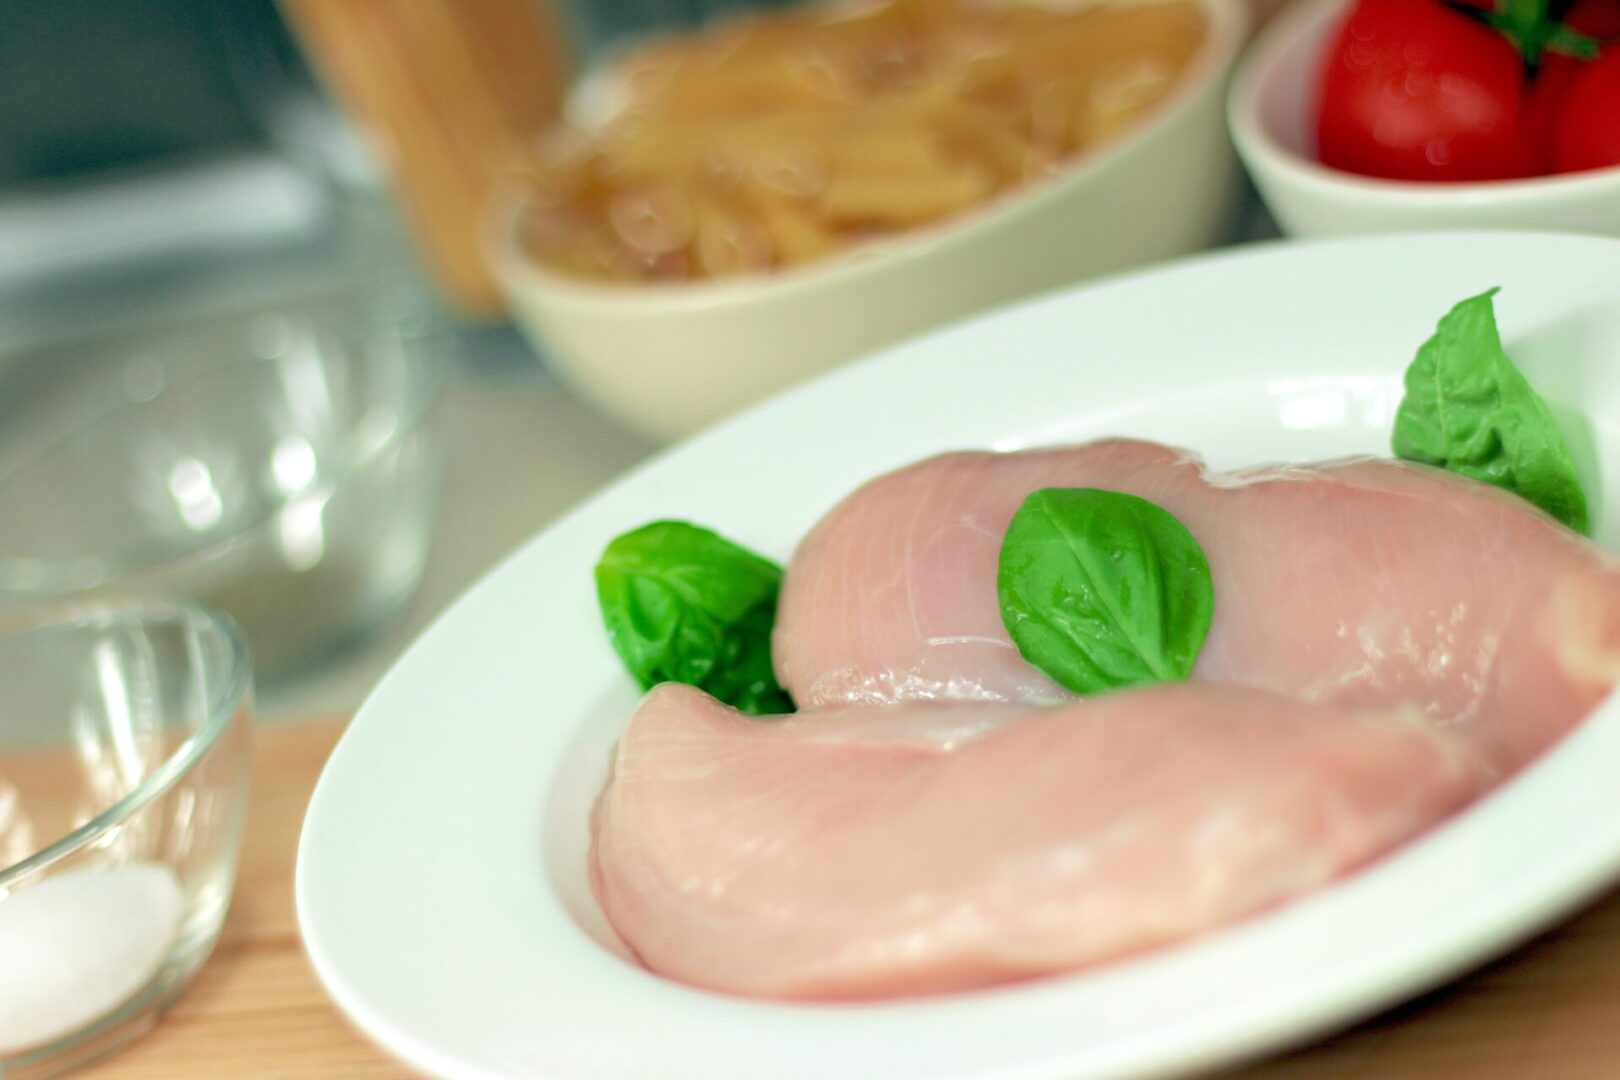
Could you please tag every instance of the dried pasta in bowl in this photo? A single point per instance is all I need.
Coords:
(785, 138)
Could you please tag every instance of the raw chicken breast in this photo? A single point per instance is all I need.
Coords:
(1368, 583)
(922, 848)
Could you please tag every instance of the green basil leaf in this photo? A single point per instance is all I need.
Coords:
(683, 604)
(1102, 590)
(1468, 409)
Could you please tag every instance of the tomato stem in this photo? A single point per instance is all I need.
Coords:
(1534, 27)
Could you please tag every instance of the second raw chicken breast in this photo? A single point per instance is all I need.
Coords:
(869, 852)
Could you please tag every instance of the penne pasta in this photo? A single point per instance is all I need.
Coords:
(902, 199)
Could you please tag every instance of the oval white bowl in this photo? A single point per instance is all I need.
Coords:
(1270, 113)
(667, 359)
(441, 882)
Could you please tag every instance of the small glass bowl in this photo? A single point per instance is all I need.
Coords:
(124, 753)
(272, 462)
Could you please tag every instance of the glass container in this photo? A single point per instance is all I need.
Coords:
(273, 461)
(124, 754)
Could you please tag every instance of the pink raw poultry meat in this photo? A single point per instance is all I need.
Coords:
(923, 848)
(1367, 583)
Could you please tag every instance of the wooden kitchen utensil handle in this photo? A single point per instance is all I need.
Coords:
(447, 93)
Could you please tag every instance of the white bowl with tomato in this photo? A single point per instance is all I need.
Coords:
(1358, 116)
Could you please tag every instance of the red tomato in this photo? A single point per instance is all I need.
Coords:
(1585, 132)
(1596, 18)
(1413, 90)
(1599, 18)
(1547, 94)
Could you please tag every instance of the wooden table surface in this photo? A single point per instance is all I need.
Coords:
(256, 1011)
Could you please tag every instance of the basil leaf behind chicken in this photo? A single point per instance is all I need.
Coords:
(1468, 409)
(683, 604)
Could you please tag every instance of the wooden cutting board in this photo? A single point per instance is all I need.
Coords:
(256, 1012)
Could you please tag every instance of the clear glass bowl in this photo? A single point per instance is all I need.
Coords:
(272, 462)
(124, 753)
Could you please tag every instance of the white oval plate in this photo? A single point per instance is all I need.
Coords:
(441, 875)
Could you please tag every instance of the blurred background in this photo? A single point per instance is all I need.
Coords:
(251, 349)
(172, 170)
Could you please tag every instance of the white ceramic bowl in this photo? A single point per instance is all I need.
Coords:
(668, 359)
(1269, 110)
